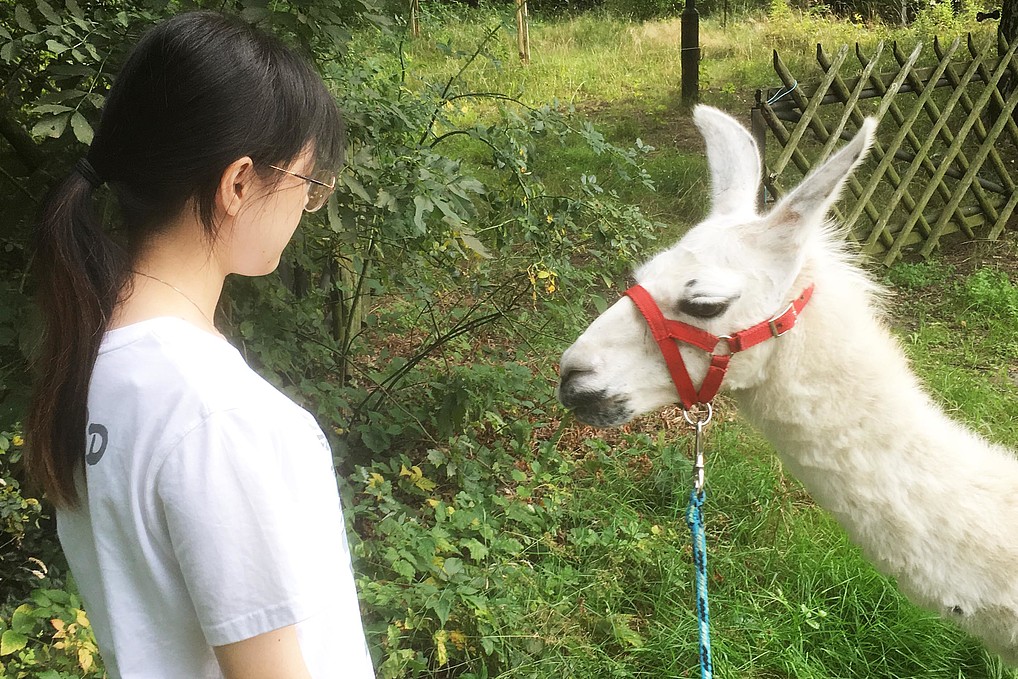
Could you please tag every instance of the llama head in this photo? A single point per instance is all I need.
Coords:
(731, 271)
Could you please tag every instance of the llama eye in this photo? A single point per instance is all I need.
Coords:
(703, 309)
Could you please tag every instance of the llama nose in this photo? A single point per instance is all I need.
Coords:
(571, 393)
(568, 374)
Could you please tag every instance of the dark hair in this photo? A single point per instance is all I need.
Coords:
(196, 93)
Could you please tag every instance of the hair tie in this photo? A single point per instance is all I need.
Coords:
(86, 170)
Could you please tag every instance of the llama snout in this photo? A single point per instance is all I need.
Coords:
(596, 407)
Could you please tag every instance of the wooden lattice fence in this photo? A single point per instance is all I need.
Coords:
(945, 157)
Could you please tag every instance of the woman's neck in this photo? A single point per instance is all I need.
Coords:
(175, 273)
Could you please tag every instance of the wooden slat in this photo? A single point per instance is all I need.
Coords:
(970, 175)
(816, 125)
(998, 165)
(904, 128)
(889, 105)
(851, 101)
(976, 191)
(981, 102)
(945, 133)
(811, 108)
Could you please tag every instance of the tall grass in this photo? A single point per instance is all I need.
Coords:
(596, 58)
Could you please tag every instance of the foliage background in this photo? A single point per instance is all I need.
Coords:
(481, 218)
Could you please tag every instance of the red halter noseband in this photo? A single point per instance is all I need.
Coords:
(665, 331)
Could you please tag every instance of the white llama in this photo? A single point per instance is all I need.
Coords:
(931, 504)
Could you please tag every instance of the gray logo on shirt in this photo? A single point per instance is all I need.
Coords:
(98, 436)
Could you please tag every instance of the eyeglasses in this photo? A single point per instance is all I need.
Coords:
(320, 186)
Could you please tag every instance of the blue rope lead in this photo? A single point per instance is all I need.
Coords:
(694, 519)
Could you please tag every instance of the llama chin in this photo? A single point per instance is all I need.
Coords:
(930, 503)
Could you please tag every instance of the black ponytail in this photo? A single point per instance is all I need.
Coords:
(79, 271)
(198, 92)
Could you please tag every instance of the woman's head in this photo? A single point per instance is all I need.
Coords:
(198, 92)
(201, 96)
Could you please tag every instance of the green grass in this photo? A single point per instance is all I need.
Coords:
(790, 597)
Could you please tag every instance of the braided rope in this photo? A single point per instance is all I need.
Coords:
(694, 519)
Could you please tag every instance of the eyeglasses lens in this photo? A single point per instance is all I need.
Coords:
(318, 194)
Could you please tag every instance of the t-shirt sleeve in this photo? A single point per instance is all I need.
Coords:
(247, 499)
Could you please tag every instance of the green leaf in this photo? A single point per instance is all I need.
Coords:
(376, 440)
(24, 20)
(404, 568)
(442, 607)
(11, 642)
(51, 126)
(22, 621)
(74, 9)
(56, 47)
(82, 130)
(64, 95)
(355, 187)
(423, 205)
(624, 633)
(47, 11)
(475, 245)
(477, 550)
(40, 598)
(50, 108)
(452, 566)
(58, 596)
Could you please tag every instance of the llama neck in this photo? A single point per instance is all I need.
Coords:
(911, 487)
(848, 417)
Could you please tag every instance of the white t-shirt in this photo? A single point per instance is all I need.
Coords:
(210, 513)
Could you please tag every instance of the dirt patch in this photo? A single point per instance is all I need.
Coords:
(965, 256)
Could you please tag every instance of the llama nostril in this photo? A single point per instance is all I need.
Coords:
(568, 374)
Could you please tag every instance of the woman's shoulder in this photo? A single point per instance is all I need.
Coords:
(169, 360)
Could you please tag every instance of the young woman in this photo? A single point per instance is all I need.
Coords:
(197, 505)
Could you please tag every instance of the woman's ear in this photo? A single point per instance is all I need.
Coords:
(235, 186)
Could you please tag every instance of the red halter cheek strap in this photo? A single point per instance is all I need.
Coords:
(668, 333)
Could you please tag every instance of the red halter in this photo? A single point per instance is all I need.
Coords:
(665, 331)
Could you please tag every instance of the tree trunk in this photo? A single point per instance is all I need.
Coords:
(1008, 26)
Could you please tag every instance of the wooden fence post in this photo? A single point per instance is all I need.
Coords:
(759, 126)
(523, 30)
(689, 40)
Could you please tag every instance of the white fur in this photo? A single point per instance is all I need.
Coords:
(931, 503)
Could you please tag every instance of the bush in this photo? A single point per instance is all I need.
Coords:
(42, 626)
(28, 547)
(440, 228)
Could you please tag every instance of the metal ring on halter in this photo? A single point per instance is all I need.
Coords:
(699, 421)
(727, 339)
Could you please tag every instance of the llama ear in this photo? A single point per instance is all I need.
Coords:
(733, 159)
(807, 204)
